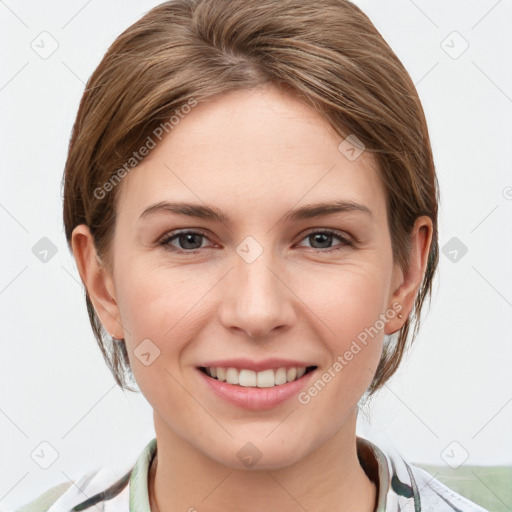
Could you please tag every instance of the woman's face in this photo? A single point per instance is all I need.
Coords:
(265, 279)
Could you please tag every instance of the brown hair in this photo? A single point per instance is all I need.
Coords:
(327, 51)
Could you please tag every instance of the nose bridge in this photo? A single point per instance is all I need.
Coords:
(257, 301)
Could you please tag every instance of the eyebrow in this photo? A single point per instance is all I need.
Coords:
(213, 213)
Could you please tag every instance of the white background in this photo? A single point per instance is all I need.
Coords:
(456, 385)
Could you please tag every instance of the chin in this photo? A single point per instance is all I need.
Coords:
(260, 453)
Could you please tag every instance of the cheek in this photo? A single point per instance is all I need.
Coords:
(350, 304)
(152, 299)
(158, 315)
(347, 300)
(164, 305)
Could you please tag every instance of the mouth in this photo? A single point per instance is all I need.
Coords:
(243, 377)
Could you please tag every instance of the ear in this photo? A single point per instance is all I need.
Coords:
(97, 280)
(406, 284)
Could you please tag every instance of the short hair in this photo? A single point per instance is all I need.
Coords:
(326, 52)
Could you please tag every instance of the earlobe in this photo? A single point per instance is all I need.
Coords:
(97, 280)
(410, 280)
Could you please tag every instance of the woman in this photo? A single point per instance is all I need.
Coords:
(251, 200)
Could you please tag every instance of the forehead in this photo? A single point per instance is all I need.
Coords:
(260, 150)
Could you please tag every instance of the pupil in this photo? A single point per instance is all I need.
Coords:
(189, 239)
(326, 238)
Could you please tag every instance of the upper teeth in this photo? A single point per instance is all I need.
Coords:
(250, 378)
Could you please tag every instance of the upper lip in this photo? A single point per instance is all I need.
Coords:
(257, 366)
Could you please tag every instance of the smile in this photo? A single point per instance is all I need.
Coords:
(263, 379)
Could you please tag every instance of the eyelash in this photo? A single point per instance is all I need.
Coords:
(165, 242)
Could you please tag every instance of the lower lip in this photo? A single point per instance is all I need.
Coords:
(256, 399)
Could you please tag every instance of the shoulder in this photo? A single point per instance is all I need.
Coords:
(437, 496)
(98, 486)
(43, 502)
(110, 486)
(406, 487)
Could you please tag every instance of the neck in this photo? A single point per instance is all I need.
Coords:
(330, 479)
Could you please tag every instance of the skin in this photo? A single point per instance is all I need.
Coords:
(254, 155)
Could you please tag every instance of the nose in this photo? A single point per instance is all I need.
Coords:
(256, 299)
